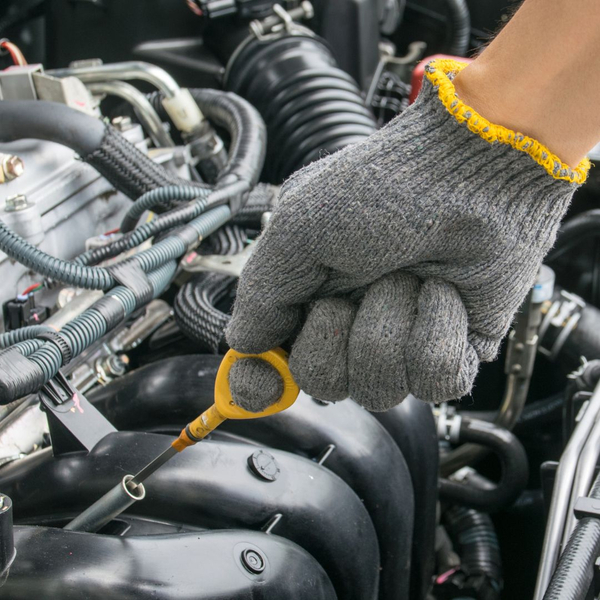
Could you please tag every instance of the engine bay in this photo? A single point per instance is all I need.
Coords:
(142, 148)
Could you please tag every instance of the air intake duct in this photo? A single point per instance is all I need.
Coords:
(311, 107)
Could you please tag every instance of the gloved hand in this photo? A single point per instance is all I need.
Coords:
(400, 261)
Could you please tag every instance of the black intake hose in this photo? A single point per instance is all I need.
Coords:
(310, 106)
(575, 572)
(460, 26)
(515, 468)
(474, 537)
(575, 231)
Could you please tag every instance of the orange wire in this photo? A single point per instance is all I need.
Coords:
(15, 53)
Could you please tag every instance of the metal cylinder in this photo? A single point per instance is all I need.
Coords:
(7, 542)
(112, 504)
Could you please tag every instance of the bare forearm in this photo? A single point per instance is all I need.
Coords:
(539, 76)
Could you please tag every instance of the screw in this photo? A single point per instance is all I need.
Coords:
(12, 166)
(15, 203)
(253, 561)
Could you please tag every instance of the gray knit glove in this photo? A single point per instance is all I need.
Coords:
(396, 265)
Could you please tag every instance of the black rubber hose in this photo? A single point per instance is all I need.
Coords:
(128, 169)
(513, 459)
(195, 310)
(311, 107)
(243, 123)
(195, 306)
(413, 428)
(52, 122)
(460, 23)
(476, 542)
(575, 571)
(584, 340)
(575, 231)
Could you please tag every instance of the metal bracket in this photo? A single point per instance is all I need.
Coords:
(587, 507)
(74, 423)
(283, 21)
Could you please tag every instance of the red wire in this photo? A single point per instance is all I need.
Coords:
(30, 288)
(194, 7)
(116, 230)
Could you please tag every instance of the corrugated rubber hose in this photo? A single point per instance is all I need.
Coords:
(575, 572)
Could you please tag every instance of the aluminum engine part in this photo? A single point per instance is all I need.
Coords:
(59, 202)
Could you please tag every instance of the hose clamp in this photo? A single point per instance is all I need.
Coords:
(283, 22)
(448, 425)
(59, 341)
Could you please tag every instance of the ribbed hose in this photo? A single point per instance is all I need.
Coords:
(310, 106)
(195, 305)
(195, 311)
(95, 278)
(91, 325)
(158, 197)
(460, 27)
(477, 544)
(513, 459)
(28, 347)
(24, 333)
(575, 572)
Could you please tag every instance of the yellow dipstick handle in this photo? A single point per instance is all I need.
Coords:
(225, 407)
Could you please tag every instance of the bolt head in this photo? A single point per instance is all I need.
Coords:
(13, 167)
(15, 203)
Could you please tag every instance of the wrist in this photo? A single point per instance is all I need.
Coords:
(467, 92)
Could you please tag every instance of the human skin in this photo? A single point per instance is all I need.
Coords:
(539, 76)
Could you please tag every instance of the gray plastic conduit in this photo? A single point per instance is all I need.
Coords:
(160, 264)
(44, 359)
(158, 197)
(24, 333)
(95, 278)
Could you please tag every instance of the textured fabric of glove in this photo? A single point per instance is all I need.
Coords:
(402, 259)
(254, 384)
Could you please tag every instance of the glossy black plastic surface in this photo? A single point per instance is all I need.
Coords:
(166, 394)
(54, 564)
(210, 485)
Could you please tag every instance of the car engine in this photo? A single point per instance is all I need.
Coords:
(142, 147)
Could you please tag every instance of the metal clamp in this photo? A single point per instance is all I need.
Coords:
(283, 21)
(563, 314)
(448, 425)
